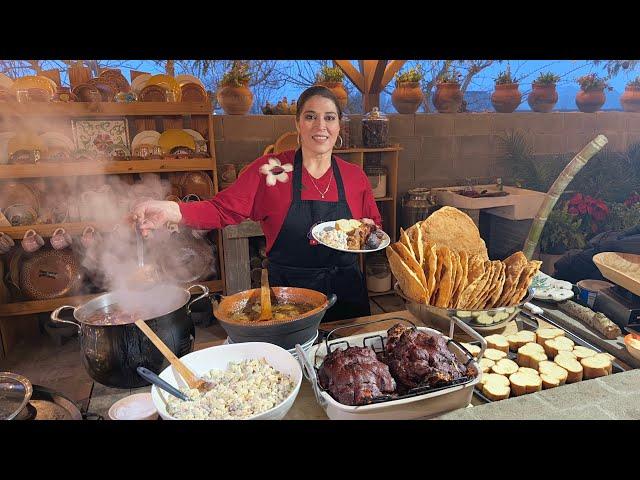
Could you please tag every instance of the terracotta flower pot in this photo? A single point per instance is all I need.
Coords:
(506, 98)
(448, 98)
(543, 97)
(630, 99)
(407, 97)
(235, 100)
(591, 100)
(338, 90)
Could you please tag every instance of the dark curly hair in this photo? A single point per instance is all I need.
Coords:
(316, 90)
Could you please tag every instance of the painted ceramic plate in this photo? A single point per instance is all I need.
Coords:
(175, 137)
(146, 137)
(550, 289)
(318, 232)
(184, 78)
(97, 135)
(167, 82)
(138, 83)
(57, 140)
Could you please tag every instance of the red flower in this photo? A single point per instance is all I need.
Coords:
(102, 141)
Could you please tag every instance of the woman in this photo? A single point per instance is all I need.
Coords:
(288, 193)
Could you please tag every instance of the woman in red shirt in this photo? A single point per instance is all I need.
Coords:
(288, 193)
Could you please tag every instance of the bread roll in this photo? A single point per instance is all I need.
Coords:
(523, 382)
(572, 366)
(499, 342)
(596, 366)
(486, 364)
(495, 387)
(519, 339)
(583, 352)
(554, 370)
(530, 355)
(553, 346)
(495, 355)
(505, 367)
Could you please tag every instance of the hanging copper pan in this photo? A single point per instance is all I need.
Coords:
(50, 273)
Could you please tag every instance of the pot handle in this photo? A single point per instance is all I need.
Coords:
(310, 374)
(471, 332)
(55, 317)
(331, 301)
(205, 293)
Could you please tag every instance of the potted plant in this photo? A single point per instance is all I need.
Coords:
(506, 96)
(630, 99)
(591, 95)
(543, 96)
(448, 97)
(562, 232)
(333, 79)
(407, 96)
(233, 93)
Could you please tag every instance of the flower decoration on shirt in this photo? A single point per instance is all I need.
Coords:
(275, 171)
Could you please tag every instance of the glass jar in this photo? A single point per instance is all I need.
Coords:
(345, 132)
(417, 204)
(375, 129)
(377, 175)
(378, 274)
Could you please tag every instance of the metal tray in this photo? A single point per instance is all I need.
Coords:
(419, 404)
(526, 321)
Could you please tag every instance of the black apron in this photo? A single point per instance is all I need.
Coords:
(294, 262)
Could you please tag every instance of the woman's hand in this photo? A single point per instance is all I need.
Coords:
(153, 214)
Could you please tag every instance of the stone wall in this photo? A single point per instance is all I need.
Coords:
(443, 149)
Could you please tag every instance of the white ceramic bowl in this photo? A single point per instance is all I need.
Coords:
(134, 407)
(218, 357)
(631, 345)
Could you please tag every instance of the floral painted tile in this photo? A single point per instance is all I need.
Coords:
(99, 135)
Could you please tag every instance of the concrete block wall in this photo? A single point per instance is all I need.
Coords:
(443, 149)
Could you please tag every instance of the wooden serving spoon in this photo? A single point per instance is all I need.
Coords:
(192, 380)
(265, 297)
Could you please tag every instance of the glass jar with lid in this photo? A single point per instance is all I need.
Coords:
(375, 129)
(345, 133)
(377, 175)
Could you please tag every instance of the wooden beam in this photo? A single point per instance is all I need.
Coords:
(352, 74)
(393, 67)
(376, 77)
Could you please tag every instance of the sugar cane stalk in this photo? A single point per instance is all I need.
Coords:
(558, 187)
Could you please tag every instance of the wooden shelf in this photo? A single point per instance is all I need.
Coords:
(103, 168)
(393, 148)
(104, 109)
(42, 306)
(47, 229)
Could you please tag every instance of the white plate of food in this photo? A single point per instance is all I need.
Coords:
(551, 289)
(350, 235)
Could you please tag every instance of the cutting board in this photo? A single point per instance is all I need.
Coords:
(615, 346)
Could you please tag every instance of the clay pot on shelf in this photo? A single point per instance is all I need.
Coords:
(407, 97)
(447, 98)
(591, 100)
(543, 97)
(630, 99)
(235, 100)
(506, 97)
(338, 90)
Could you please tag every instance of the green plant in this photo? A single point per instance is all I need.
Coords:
(635, 83)
(547, 78)
(562, 232)
(415, 74)
(237, 76)
(450, 76)
(621, 217)
(330, 74)
(592, 82)
(504, 78)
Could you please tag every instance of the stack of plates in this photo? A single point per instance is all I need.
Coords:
(305, 346)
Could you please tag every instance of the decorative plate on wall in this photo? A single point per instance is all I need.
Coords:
(98, 135)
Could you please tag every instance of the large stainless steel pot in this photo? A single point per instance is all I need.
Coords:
(112, 353)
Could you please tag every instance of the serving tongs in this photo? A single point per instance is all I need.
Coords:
(192, 380)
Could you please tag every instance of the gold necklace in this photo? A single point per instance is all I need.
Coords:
(322, 194)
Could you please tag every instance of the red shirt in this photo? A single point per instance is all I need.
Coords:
(251, 197)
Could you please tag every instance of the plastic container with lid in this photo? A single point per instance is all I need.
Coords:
(375, 129)
(377, 175)
(345, 132)
(378, 274)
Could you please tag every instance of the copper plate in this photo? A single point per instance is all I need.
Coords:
(106, 87)
(198, 183)
(50, 273)
(194, 93)
(115, 77)
(153, 93)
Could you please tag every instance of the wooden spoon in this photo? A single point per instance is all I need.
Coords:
(192, 380)
(265, 297)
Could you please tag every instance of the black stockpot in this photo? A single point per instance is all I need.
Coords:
(112, 353)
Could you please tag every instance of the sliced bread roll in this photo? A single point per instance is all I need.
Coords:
(495, 387)
(566, 353)
(474, 350)
(517, 340)
(495, 355)
(544, 334)
(528, 371)
(596, 366)
(555, 345)
(505, 367)
(524, 382)
(530, 355)
(554, 370)
(549, 381)
(583, 352)
(571, 365)
(486, 364)
(499, 342)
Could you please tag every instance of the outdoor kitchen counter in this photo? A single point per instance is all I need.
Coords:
(613, 397)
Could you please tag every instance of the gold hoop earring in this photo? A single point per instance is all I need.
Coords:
(298, 139)
(341, 142)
